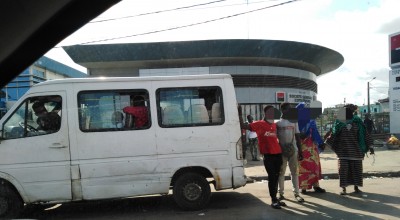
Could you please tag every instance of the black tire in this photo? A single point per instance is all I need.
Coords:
(11, 204)
(191, 191)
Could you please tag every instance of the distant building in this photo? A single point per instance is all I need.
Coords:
(374, 108)
(384, 104)
(264, 72)
(329, 115)
(40, 71)
(379, 115)
(394, 82)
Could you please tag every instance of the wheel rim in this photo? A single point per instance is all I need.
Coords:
(3, 205)
(192, 191)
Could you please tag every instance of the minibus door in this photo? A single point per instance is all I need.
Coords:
(34, 149)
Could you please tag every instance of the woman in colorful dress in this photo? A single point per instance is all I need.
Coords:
(311, 145)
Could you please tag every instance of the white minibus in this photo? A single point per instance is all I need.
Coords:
(100, 138)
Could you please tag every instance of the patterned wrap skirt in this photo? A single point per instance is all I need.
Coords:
(310, 166)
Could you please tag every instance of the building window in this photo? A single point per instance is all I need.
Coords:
(37, 80)
(38, 73)
(23, 83)
(22, 91)
(23, 78)
(12, 94)
(12, 84)
(26, 72)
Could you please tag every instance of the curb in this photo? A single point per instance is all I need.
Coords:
(251, 179)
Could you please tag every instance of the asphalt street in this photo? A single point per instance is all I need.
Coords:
(379, 200)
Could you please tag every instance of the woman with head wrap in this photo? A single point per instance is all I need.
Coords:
(351, 142)
(311, 145)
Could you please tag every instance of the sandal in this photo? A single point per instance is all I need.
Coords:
(276, 205)
(281, 197)
(319, 189)
(298, 198)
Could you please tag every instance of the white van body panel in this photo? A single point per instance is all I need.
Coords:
(203, 145)
(73, 164)
(114, 164)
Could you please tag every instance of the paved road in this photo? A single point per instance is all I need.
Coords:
(380, 200)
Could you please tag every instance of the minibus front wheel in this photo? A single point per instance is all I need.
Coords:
(10, 203)
(191, 191)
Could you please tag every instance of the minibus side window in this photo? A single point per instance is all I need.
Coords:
(35, 116)
(190, 106)
(115, 110)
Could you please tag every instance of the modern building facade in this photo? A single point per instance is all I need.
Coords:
(374, 108)
(394, 82)
(265, 72)
(40, 71)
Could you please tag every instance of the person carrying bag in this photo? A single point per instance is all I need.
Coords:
(289, 135)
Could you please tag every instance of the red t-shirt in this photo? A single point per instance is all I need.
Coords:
(267, 139)
(140, 114)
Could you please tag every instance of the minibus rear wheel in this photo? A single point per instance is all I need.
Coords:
(191, 191)
(10, 202)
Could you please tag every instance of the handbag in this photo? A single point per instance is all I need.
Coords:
(287, 149)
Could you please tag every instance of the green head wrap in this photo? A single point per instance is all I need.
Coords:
(338, 125)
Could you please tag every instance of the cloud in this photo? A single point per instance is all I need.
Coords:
(363, 41)
(358, 30)
(390, 27)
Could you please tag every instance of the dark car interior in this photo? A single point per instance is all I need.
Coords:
(29, 28)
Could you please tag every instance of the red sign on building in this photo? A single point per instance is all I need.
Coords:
(280, 97)
(394, 53)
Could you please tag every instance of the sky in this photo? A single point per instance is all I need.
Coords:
(357, 29)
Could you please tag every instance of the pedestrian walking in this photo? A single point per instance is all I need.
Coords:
(252, 140)
(369, 124)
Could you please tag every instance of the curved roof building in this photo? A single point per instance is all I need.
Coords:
(264, 71)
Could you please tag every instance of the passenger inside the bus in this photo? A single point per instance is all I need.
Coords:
(47, 121)
(136, 115)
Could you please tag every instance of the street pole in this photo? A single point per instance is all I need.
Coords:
(369, 107)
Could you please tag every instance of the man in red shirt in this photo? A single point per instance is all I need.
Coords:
(138, 111)
(269, 146)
